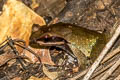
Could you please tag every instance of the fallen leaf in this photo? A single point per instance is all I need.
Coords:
(48, 8)
(75, 69)
(44, 55)
(17, 78)
(35, 78)
(34, 4)
(6, 57)
(16, 21)
(51, 75)
(9, 57)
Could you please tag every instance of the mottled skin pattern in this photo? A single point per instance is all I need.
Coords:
(80, 40)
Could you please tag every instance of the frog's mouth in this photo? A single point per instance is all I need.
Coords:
(50, 40)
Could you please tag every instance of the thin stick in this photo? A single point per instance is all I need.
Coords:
(79, 75)
(111, 70)
(111, 54)
(11, 44)
(102, 54)
(97, 71)
(103, 69)
(4, 58)
(118, 77)
(28, 49)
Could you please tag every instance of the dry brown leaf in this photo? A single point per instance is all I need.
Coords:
(75, 69)
(34, 4)
(16, 21)
(51, 75)
(35, 78)
(17, 78)
(44, 55)
(6, 57)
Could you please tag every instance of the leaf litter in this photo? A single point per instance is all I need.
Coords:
(34, 63)
(15, 53)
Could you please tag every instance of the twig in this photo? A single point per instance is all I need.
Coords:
(11, 44)
(3, 47)
(104, 67)
(3, 42)
(102, 54)
(99, 76)
(7, 56)
(111, 54)
(111, 70)
(118, 77)
(102, 70)
(98, 71)
(28, 49)
(79, 75)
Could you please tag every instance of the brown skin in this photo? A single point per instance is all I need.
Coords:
(80, 40)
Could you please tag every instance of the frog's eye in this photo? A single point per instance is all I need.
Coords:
(51, 38)
(46, 36)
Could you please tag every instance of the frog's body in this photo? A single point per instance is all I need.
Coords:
(82, 41)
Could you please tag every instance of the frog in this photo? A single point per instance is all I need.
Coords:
(84, 43)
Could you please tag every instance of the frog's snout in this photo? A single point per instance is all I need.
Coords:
(56, 41)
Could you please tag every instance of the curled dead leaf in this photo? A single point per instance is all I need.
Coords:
(7, 56)
(44, 55)
(17, 20)
(51, 75)
(17, 78)
(35, 78)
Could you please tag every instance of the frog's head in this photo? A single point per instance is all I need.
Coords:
(51, 39)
